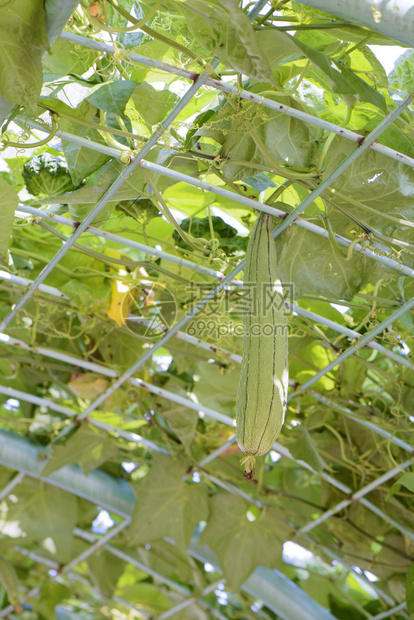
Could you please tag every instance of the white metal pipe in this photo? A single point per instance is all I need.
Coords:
(44, 288)
(171, 258)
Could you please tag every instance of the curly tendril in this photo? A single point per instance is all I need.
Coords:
(18, 145)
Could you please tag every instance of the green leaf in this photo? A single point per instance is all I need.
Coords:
(410, 590)
(83, 200)
(88, 446)
(91, 297)
(313, 266)
(401, 78)
(406, 480)
(151, 104)
(283, 139)
(105, 569)
(112, 96)
(63, 59)
(166, 506)
(9, 580)
(278, 47)
(81, 160)
(51, 594)
(45, 512)
(22, 40)
(183, 422)
(240, 544)
(9, 202)
(147, 597)
(225, 30)
(343, 80)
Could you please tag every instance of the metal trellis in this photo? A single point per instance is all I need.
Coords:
(20, 455)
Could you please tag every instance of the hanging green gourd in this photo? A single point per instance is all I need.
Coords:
(263, 386)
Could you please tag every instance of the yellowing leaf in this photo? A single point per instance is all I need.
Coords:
(121, 301)
(88, 386)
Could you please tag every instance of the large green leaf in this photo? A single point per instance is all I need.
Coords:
(45, 512)
(10, 581)
(22, 40)
(105, 569)
(9, 202)
(112, 96)
(342, 79)
(166, 506)
(313, 266)
(225, 30)
(401, 79)
(239, 543)
(151, 104)
(64, 59)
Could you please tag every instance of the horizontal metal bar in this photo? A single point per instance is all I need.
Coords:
(373, 427)
(43, 288)
(350, 333)
(258, 206)
(254, 204)
(58, 355)
(49, 404)
(171, 258)
(35, 400)
(217, 275)
(247, 95)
